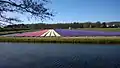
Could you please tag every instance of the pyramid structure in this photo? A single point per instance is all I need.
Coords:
(50, 33)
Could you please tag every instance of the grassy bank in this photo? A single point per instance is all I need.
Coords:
(85, 40)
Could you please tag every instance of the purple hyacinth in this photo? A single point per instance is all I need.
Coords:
(66, 32)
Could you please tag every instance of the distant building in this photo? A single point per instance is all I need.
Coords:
(113, 25)
(107, 25)
(70, 28)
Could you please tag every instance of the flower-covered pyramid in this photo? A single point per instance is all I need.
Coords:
(50, 33)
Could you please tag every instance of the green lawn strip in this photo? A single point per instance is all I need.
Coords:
(61, 40)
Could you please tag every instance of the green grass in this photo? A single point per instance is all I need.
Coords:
(85, 40)
(12, 32)
(102, 29)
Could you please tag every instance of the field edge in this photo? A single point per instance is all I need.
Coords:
(80, 40)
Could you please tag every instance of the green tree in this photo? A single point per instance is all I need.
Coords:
(104, 25)
(98, 24)
(87, 25)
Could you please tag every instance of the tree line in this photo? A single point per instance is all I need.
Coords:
(73, 25)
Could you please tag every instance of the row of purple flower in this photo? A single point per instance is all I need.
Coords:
(66, 32)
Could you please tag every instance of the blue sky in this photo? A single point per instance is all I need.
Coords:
(83, 11)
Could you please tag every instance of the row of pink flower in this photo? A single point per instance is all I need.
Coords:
(37, 33)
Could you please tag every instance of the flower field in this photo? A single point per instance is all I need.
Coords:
(65, 33)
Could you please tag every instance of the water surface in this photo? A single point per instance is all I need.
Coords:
(30, 55)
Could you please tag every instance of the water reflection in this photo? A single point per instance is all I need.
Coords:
(24, 55)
